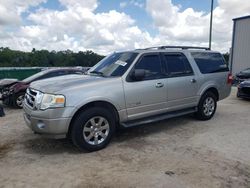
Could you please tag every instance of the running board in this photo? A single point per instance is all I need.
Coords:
(161, 117)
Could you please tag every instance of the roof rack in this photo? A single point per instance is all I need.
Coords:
(181, 47)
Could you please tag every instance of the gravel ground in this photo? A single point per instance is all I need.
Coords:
(180, 152)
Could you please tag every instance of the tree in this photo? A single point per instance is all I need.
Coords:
(44, 58)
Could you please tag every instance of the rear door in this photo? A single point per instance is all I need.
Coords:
(214, 71)
(182, 83)
(148, 96)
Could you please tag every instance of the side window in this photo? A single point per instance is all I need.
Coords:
(178, 65)
(152, 65)
(60, 73)
(210, 62)
(51, 74)
(74, 72)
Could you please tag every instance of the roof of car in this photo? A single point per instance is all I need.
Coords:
(174, 49)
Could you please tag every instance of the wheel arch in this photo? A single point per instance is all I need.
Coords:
(14, 97)
(99, 103)
(212, 89)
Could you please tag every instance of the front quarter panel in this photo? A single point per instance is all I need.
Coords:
(108, 90)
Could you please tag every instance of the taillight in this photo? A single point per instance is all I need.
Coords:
(229, 78)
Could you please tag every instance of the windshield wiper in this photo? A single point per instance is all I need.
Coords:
(97, 72)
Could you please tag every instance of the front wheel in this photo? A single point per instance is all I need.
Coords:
(207, 106)
(238, 95)
(92, 129)
(18, 100)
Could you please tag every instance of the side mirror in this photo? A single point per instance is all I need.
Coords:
(138, 74)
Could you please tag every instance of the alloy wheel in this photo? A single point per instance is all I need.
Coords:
(209, 106)
(19, 101)
(96, 130)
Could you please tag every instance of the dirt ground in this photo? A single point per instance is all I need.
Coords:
(176, 153)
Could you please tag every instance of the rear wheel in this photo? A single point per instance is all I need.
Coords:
(238, 95)
(92, 129)
(207, 106)
(18, 100)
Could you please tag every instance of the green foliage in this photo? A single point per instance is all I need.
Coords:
(44, 58)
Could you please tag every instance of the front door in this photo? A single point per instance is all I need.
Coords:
(148, 96)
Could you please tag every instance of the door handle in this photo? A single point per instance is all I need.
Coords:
(158, 85)
(193, 80)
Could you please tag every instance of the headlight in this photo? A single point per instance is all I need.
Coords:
(11, 89)
(52, 101)
(6, 91)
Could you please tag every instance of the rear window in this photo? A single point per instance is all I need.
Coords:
(210, 62)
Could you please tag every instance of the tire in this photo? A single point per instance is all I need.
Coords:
(6, 102)
(238, 95)
(207, 106)
(92, 129)
(18, 100)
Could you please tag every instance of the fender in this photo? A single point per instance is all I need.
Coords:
(94, 99)
(205, 87)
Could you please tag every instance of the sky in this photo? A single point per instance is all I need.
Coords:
(105, 26)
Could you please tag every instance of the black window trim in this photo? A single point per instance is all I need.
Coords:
(168, 74)
(128, 78)
(47, 75)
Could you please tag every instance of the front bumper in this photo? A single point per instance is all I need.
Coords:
(50, 123)
(238, 80)
(7, 100)
(6, 97)
(244, 92)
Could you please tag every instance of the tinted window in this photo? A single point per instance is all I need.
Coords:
(60, 73)
(210, 62)
(178, 65)
(152, 65)
(246, 71)
(36, 76)
(74, 72)
(52, 74)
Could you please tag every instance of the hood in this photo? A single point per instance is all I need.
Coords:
(7, 82)
(243, 75)
(245, 83)
(58, 84)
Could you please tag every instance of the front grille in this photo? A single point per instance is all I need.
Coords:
(246, 90)
(30, 97)
(5, 92)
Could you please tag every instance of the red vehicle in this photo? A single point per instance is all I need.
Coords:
(12, 91)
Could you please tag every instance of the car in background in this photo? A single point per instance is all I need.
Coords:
(242, 76)
(244, 90)
(12, 91)
(6, 83)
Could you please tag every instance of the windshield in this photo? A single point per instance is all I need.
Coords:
(246, 71)
(34, 77)
(114, 65)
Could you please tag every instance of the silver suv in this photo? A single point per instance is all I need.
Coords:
(128, 89)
